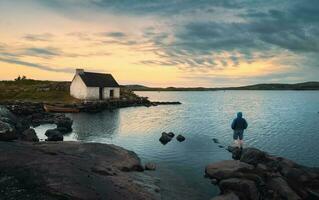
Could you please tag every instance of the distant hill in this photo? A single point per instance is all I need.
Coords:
(135, 87)
(279, 86)
(266, 86)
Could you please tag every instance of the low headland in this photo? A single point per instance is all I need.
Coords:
(26, 92)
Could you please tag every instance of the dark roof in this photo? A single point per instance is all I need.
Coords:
(98, 80)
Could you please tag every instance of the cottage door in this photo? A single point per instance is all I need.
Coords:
(101, 93)
(111, 93)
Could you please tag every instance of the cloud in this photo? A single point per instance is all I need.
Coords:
(113, 34)
(203, 35)
(39, 37)
(260, 32)
(139, 7)
(42, 52)
(36, 65)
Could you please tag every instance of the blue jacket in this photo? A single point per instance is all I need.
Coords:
(239, 123)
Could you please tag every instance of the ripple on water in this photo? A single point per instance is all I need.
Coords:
(280, 122)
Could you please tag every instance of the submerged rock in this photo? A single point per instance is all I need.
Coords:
(215, 140)
(29, 135)
(150, 166)
(54, 135)
(180, 138)
(257, 175)
(69, 170)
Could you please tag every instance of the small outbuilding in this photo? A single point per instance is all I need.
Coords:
(94, 86)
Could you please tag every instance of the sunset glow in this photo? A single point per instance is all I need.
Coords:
(156, 43)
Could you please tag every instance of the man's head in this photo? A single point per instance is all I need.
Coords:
(239, 114)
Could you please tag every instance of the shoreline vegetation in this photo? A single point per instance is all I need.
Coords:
(53, 93)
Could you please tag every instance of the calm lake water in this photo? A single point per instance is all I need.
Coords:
(284, 123)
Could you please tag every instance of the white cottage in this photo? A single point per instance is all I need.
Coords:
(94, 86)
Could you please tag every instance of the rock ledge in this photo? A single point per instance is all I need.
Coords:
(69, 170)
(258, 175)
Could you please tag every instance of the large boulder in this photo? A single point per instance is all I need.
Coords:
(7, 132)
(54, 135)
(227, 169)
(180, 138)
(29, 135)
(64, 124)
(166, 137)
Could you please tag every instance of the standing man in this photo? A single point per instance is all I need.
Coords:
(239, 125)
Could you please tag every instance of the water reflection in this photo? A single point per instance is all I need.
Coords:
(87, 126)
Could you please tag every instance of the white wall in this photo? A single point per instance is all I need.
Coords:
(93, 93)
(78, 88)
(106, 92)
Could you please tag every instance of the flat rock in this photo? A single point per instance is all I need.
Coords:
(226, 169)
(68, 170)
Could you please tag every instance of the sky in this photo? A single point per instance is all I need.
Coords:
(183, 43)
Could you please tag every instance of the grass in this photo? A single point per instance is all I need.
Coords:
(44, 91)
(35, 91)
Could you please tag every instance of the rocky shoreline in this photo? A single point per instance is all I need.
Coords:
(71, 170)
(33, 170)
(26, 108)
(254, 175)
(30, 169)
